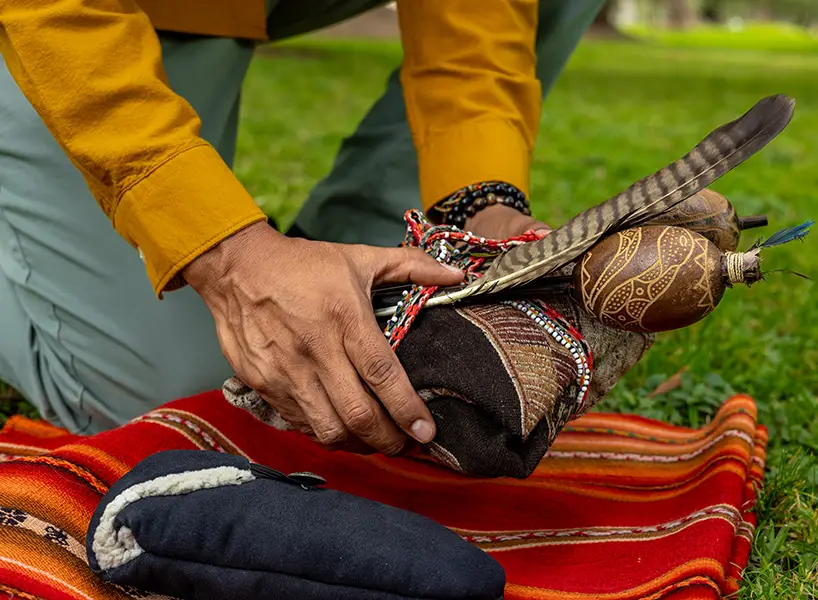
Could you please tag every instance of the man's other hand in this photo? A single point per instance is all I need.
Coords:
(500, 222)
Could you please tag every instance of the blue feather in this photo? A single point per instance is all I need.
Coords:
(799, 232)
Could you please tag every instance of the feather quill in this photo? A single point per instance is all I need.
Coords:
(721, 151)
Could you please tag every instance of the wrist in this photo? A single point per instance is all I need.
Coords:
(214, 266)
(490, 214)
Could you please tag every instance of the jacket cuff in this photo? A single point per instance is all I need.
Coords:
(472, 153)
(182, 209)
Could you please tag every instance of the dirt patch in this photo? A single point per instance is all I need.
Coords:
(273, 51)
(377, 23)
(607, 32)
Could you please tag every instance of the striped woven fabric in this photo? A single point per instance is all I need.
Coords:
(621, 507)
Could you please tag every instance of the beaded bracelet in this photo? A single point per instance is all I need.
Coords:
(467, 201)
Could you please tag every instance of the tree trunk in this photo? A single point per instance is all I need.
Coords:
(680, 14)
(712, 11)
(604, 17)
(603, 25)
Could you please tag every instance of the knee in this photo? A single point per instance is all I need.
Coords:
(184, 376)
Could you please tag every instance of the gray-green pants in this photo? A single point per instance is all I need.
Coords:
(82, 335)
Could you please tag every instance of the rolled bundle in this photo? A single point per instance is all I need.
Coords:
(500, 379)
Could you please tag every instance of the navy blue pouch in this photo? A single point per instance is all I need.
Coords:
(202, 525)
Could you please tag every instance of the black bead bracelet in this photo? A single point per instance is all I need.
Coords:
(468, 201)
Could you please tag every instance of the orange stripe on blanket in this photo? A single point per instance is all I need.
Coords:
(739, 405)
(20, 450)
(92, 480)
(28, 558)
(39, 429)
(737, 425)
(108, 467)
(595, 423)
(48, 495)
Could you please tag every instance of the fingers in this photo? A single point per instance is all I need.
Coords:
(324, 422)
(360, 412)
(410, 265)
(310, 411)
(381, 370)
(305, 405)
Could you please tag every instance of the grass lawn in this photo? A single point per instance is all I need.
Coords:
(619, 112)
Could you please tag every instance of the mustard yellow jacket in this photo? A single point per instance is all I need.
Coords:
(92, 70)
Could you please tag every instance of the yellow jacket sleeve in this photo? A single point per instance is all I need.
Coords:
(92, 69)
(472, 96)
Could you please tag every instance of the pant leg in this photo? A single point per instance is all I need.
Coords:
(374, 179)
(290, 18)
(81, 334)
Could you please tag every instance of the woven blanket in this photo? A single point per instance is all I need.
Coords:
(621, 507)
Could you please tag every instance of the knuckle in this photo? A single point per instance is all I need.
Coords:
(329, 435)
(309, 341)
(269, 386)
(362, 420)
(379, 370)
(304, 428)
(394, 448)
(338, 310)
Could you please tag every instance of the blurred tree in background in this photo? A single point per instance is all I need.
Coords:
(683, 14)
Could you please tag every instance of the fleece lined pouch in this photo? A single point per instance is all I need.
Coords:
(201, 525)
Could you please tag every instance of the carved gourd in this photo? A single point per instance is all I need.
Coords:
(657, 278)
(713, 216)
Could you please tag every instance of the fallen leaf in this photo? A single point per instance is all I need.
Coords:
(668, 385)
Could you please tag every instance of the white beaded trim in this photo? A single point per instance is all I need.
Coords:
(565, 339)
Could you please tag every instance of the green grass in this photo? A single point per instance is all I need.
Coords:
(619, 112)
(766, 37)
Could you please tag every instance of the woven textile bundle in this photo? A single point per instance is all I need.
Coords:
(501, 380)
(500, 377)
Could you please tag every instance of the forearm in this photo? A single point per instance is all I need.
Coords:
(92, 69)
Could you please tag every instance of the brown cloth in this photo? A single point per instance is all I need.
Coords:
(498, 384)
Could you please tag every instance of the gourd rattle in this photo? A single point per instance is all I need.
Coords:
(655, 257)
(660, 277)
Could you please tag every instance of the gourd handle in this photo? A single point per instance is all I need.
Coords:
(752, 222)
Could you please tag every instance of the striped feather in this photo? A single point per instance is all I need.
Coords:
(718, 153)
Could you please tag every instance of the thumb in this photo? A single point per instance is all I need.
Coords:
(411, 265)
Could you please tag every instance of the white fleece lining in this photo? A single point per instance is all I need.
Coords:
(113, 548)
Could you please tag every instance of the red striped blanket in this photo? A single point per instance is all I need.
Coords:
(621, 507)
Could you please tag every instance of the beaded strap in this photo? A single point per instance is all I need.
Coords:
(467, 201)
(565, 335)
(450, 245)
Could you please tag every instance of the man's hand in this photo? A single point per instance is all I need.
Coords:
(501, 222)
(295, 321)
